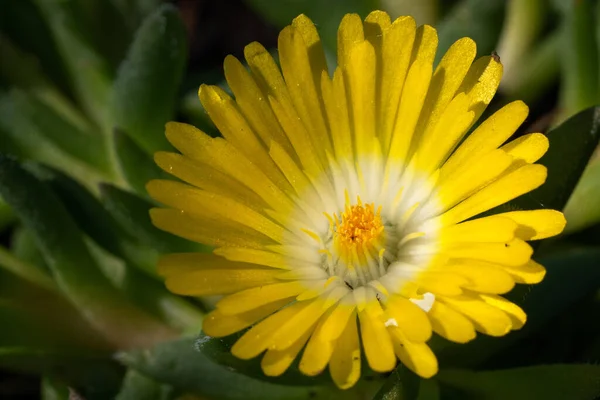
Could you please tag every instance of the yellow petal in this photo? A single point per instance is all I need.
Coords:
(487, 229)
(409, 318)
(205, 231)
(336, 105)
(516, 314)
(487, 319)
(206, 177)
(344, 366)
(528, 148)
(537, 224)
(249, 299)
(276, 362)
(515, 252)
(205, 205)
(258, 338)
(530, 272)
(416, 356)
(376, 339)
(349, 32)
(451, 324)
(318, 351)
(254, 256)
(218, 324)
(483, 277)
(481, 83)
(506, 188)
(195, 274)
(488, 136)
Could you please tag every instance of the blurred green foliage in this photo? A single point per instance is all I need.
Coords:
(85, 89)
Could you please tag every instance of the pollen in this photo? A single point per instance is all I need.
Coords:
(359, 229)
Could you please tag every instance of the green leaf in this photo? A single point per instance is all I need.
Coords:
(93, 219)
(23, 25)
(136, 166)
(178, 364)
(24, 248)
(147, 84)
(403, 384)
(25, 270)
(481, 20)
(87, 146)
(560, 381)
(571, 146)
(53, 390)
(579, 58)
(325, 14)
(74, 270)
(583, 208)
(95, 375)
(131, 212)
(137, 386)
(89, 73)
(571, 275)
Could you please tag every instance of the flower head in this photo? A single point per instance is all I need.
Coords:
(346, 205)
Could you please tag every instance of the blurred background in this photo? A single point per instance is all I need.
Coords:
(85, 89)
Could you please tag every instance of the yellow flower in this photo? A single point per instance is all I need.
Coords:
(344, 205)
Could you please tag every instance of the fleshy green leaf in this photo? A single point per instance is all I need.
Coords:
(88, 146)
(178, 364)
(74, 270)
(131, 212)
(145, 91)
(560, 381)
(571, 275)
(136, 166)
(53, 390)
(579, 58)
(137, 386)
(583, 208)
(89, 73)
(325, 14)
(481, 20)
(96, 375)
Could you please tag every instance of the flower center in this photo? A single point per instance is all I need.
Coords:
(359, 233)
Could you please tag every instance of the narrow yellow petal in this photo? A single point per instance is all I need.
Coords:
(258, 338)
(488, 136)
(483, 277)
(530, 272)
(253, 103)
(334, 325)
(336, 105)
(376, 339)
(537, 224)
(205, 205)
(516, 314)
(513, 253)
(409, 318)
(254, 256)
(276, 362)
(494, 228)
(528, 148)
(361, 91)
(207, 178)
(451, 324)
(249, 299)
(467, 181)
(411, 102)
(486, 318)
(506, 188)
(397, 43)
(426, 42)
(207, 232)
(218, 324)
(416, 356)
(446, 80)
(481, 83)
(318, 351)
(349, 32)
(344, 366)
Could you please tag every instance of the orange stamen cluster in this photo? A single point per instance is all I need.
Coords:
(359, 232)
